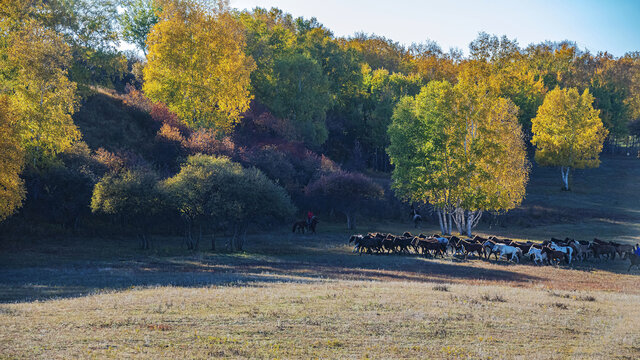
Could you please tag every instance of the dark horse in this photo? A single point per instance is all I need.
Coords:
(635, 261)
(301, 226)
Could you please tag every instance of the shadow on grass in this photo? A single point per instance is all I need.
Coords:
(79, 279)
(275, 257)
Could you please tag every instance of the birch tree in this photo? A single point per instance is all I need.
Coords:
(423, 140)
(460, 148)
(568, 132)
(196, 64)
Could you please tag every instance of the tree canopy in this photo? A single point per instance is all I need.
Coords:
(11, 163)
(197, 66)
(41, 96)
(137, 19)
(214, 192)
(568, 132)
(345, 192)
(459, 149)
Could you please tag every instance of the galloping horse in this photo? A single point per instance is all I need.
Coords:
(635, 261)
(301, 226)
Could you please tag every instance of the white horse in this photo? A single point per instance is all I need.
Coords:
(582, 251)
(539, 256)
(565, 249)
(504, 250)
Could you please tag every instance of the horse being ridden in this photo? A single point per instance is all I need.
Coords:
(308, 224)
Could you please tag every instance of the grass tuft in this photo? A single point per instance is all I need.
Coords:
(493, 298)
(560, 305)
(444, 288)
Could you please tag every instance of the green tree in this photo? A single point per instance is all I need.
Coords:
(299, 92)
(348, 193)
(299, 72)
(197, 65)
(213, 193)
(568, 132)
(90, 29)
(138, 18)
(461, 150)
(134, 196)
(423, 140)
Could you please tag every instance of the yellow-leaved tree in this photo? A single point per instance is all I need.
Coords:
(461, 149)
(196, 64)
(11, 162)
(34, 66)
(568, 132)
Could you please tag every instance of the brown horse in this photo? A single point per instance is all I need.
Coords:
(301, 226)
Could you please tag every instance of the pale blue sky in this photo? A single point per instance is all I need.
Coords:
(612, 25)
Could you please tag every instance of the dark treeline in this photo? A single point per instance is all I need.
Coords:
(92, 127)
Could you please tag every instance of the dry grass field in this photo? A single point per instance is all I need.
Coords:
(328, 319)
(305, 296)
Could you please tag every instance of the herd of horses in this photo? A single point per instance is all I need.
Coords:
(553, 251)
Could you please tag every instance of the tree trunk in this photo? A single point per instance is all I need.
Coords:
(240, 240)
(564, 171)
(351, 221)
(188, 241)
(232, 241)
(445, 221)
(195, 246)
(459, 220)
(469, 223)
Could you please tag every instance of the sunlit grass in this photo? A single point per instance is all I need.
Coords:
(327, 320)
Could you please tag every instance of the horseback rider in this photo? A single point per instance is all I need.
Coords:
(637, 250)
(310, 217)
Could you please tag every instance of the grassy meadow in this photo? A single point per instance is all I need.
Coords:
(309, 296)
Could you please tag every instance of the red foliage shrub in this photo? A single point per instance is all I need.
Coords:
(170, 133)
(136, 99)
(161, 113)
(206, 142)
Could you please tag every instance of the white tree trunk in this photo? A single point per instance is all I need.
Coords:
(440, 220)
(459, 219)
(564, 171)
(448, 223)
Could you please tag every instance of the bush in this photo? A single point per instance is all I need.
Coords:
(276, 165)
(132, 195)
(59, 191)
(345, 192)
(213, 193)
